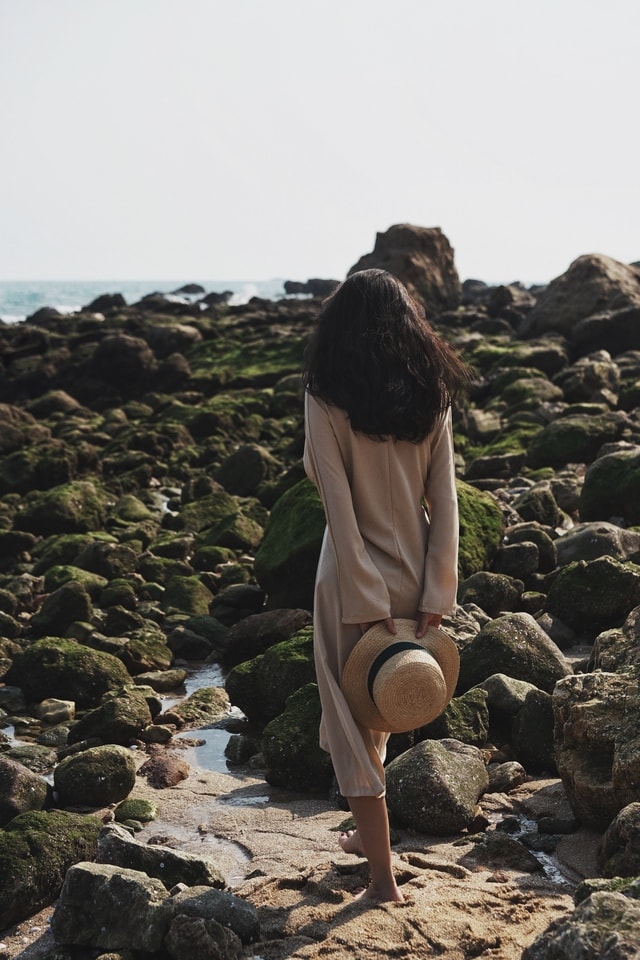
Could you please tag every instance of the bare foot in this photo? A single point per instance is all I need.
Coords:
(350, 842)
(389, 893)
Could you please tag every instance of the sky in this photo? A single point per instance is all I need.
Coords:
(252, 139)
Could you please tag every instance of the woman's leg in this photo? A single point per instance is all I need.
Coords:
(372, 823)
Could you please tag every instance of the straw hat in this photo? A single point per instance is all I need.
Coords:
(398, 683)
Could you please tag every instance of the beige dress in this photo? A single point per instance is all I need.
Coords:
(382, 556)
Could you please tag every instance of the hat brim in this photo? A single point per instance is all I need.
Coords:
(355, 675)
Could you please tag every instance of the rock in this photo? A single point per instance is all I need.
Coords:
(286, 562)
(119, 719)
(261, 687)
(481, 529)
(504, 777)
(612, 330)
(36, 850)
(497, 851)
(465, 718)
(105, 302)
(187, 595)
(604, 925)
(538, 505)
(224, 908)
(204, 706)
(597, 744)
(518, 560)
(612, 488)
(588, 541)
(495, 593)
(12, 699)
(164, 770)
(592, 283)
(52, 710)
(420, 257)
(292, 754)
(593, 595)
(618, 651)
(316, 287)
(116, 846)
(20, 790)
(75, 507)
(532, 733)
(187, 644)
(244, 470)
(163, 681)
(189, 288)
(543, 537)
(96, 777)
(574, 439)
(37, 757)
(129, 910)
(135, 808)
(515, 645)
(61, 608)
(618, 853)
(198, 937)
(590, 379)
(434, 787)
(255, 634)
(123, 362)
(108, 560)
(60, 575)
(53, 667)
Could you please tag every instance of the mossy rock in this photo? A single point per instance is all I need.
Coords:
(118, 593)
(95, 777)
(465, 718)
(261, 686)
(60, 609)
(612, 488)
(573, 439)
(130, 509)
(162, 569)
(56, 576)
(121, 718)
(136, 808)
(62, 549)
(594, 595)
(207, 511)
(286, 562)
(76, 507)
(207, 705)
(36, 850)
(66, 670)
(495, 593)
(292, 754)
(187, 595)
(38, 467)
(481, 529)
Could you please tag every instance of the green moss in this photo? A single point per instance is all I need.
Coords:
(61, 549)
(76, 507)
(207, 705)
(135, 808)
(594, 595)
(263, 361)
(612, 488)
(187, 595)
(572, 440)
(481, 529)
(57, 576)
(290, 745)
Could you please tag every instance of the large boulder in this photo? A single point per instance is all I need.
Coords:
(67, 670)
(20, 790)
(422, 258)
(515, 645)
(255, 634)
(124, 362)
(96, 777)
(614, 330)
(574, 438)
(286, 562)
(605, 925)
(593, 595)
(612, 487)
(588, 541)
(36, 850)
(597, 744)
(435, 786)
(591, 284)
(61, 608)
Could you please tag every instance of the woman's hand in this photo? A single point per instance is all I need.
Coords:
(426, 620)
(388, 622)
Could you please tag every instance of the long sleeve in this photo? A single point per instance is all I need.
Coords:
(363, 593)
(441, 562)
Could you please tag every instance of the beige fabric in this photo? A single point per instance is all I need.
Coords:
(381, 557)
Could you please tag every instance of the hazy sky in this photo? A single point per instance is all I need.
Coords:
(250, 139)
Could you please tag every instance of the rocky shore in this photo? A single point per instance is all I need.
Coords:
(154, 515)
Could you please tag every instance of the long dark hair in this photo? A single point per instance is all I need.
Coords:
(374, 355)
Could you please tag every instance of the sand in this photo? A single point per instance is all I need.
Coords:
(279, 850)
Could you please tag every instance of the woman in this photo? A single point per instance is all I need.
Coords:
(379, 385)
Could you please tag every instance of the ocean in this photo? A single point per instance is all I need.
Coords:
(20, 299)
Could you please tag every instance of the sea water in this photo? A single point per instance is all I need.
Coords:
(19, 299)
